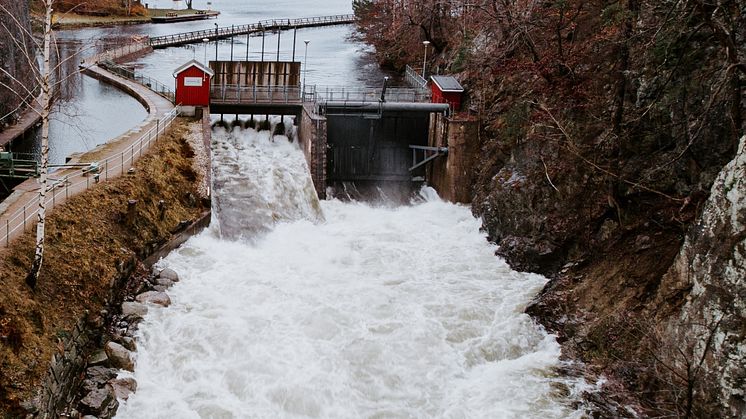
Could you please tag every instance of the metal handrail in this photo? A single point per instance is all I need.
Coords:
(144, 80)
(263, 25)
(61, 188)
(256, 94)
(323, 94)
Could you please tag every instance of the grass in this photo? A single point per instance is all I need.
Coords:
(86, 239)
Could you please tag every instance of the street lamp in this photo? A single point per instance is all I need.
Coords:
(216, 42)
(305, 65)
(424, 60)
(205, 40)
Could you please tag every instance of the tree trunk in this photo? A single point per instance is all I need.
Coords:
(33, 276)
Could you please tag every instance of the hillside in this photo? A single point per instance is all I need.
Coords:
(604, 127)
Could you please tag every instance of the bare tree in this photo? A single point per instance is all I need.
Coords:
(188, 4)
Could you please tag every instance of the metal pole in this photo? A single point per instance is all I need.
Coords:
(7, 233)
(216, 42)
(424, 60)
(248, 38)
(279, 32)
(232, 42)
(305, 66)
(295, 33)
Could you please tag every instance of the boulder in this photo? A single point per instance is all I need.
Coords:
(100, 403)
(119, 356)
(98, 358)
(123, 387)
(154, 297)
(133, 310)
(169, 274)
(163, 282)
(128, 343)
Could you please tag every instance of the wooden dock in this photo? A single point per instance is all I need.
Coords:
(264, 25)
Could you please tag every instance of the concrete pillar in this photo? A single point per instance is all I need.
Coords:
(312, 136)
(452, 176)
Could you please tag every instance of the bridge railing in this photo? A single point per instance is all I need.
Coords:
(231, 93)
(414, 79)
(73, 182)
(227, 31)
(324, 94)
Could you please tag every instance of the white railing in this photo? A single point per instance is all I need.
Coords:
(232, 93)
(80, 180)
(323, 94)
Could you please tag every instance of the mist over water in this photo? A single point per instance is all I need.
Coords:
(368, 312)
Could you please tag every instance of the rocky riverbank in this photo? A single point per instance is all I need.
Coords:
(604, 129)
(93, 245)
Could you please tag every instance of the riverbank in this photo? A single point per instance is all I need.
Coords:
(76, 280)
(71, 20)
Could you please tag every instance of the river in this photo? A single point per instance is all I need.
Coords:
(340, 309)
(289, 307)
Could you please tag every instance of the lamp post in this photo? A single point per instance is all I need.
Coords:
(216, 42)
(205, 40)
(305, 66)
(424, 60)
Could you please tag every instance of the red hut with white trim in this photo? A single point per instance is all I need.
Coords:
(193, 84)
(446, 89)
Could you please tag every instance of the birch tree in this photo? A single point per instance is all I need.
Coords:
(43, 82)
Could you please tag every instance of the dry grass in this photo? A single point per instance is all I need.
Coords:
(86, 239)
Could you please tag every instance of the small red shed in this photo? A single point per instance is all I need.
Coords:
(446, 89)
(193, 84)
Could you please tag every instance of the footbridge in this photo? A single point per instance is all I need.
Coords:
(195, 37)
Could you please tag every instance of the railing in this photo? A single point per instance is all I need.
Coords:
(231, 93)
(146, 81)
(81, 180)
(264, 25)
(123, 50)
(324, 94)
(414, 79)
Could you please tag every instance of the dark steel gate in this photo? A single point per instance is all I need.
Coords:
(368, 147)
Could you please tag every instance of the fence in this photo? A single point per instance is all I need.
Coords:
(324, 94)
(81, 180)
(264, 25)
(146, 81)
(232, 93)
(414, 79)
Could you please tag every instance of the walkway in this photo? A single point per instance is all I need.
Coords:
(107, 161)
(264, 25)
(30, 117)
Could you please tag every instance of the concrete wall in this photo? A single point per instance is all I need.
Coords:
(452, 175)
(312, 135)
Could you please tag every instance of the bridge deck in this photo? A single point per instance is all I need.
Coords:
(264, 25)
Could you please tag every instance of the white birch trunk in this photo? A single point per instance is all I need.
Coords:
(33, 275)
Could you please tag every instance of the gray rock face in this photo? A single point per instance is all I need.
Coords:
(154, 297)
(100, 403)
(708, 276)
(169, 274)
(119, 356)
(98, 358)
(164, 282)
(128, 343)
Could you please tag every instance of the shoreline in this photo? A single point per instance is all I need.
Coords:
(67, 21)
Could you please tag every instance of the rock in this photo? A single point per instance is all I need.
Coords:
(154, 297)
(164, 282)
(128, 343)
(123, 387)
(169, 274)
(119, 356)
(100, 403)
(100, 373)
(133, 310)
(89, 417)
(160, 288)
(98, 358)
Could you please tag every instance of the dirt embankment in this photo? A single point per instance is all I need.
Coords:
(86, 240)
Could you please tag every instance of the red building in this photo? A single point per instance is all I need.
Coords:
(193, 84)
(446, 89)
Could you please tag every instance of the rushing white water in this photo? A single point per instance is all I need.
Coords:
(373, 312)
